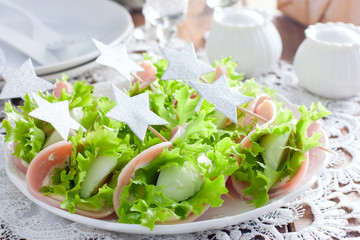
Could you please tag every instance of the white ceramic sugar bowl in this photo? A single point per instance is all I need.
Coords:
(327, 62)
(248, 36)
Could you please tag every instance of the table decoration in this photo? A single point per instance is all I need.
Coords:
(184, 65)
(57, 114)
(248, 35)
(20, 81)
(327, 63)
(220, 94)
(135, 112)
(117, 58)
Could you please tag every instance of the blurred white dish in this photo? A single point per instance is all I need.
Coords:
(327, 62)
(102, 19)
(248, 35)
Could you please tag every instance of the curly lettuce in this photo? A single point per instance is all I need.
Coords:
(259, 173)
(143, 201)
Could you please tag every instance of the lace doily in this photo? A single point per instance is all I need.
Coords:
(329, 210)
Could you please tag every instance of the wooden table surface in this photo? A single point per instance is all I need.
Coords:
(199, 20)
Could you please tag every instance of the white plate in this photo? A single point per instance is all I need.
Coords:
(231, 212)
(104, 20)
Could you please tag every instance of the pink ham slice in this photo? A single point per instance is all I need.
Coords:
(139, 161)
(42, 164)
(266, 109)
(221, 70)
(305, 171)
(19, 163)
(254, 106)
(148, 75)
(60, 85)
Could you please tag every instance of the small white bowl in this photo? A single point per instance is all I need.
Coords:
(327, 62)
(247, 35)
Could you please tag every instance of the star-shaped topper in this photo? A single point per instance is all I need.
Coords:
(20, 81)
(184, 65)
(57, 114)
(117, 58)
(135, 112)
(220, 94)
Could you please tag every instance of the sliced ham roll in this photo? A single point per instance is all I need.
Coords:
(40, 168)
(147, 75)
(60, 85)
(256, 107)
(19, 163)
(221, 70)
(266, 109)
(139, 161)
(310, 162)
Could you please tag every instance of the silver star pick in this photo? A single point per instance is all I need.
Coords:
(220, 94)
(57, 114)
(135, 112)
(20, 81)
(117, 58)
(184, 65)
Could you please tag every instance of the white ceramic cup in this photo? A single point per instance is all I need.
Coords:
(248, 36)
(327, 63)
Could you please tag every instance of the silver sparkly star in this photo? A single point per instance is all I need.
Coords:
(220, 94)
(57, 114)
(135, 112)
(184, 65)
(117, 58)
(20, 81)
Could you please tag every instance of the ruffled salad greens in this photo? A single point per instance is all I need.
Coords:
(185, 179)
(30, 134)
(277, 151)
(182, 180)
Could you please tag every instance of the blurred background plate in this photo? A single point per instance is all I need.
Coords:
(104, 20)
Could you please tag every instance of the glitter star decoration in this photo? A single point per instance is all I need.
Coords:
(135, 112)
(220, 94)
(184, 65)
(20, 81)
(117, 58)
(57, 114)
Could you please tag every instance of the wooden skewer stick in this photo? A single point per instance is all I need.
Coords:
(254, 115)
(157, 134)
(326, 150)
(203, 80)
(72, 132)
(244, 110)
(136, 77)
(229, 196)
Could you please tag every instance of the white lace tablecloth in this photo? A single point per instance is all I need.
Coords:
(330, 209)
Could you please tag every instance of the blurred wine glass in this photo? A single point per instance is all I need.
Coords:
(165, 15)
(145, 32)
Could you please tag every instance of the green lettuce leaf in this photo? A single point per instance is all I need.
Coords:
(142, 202)
(260, 176)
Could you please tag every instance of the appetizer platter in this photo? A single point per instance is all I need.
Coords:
(171, 155)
